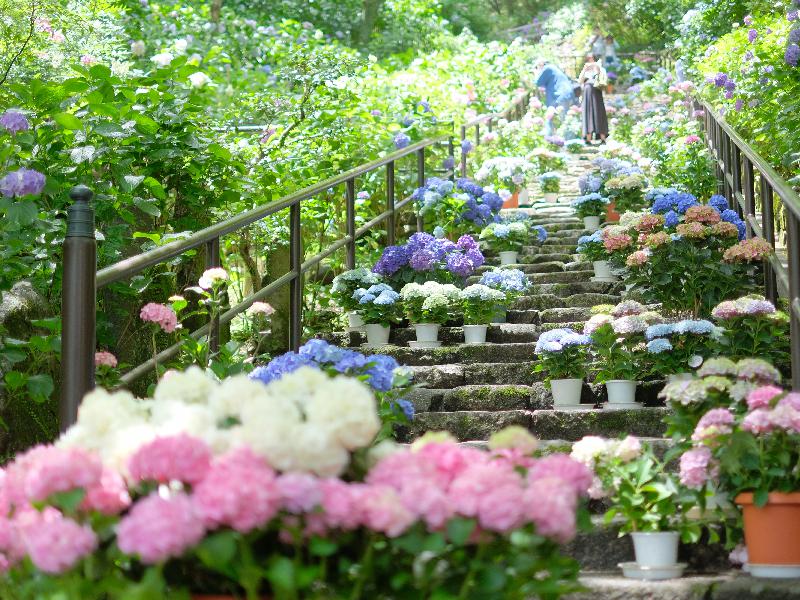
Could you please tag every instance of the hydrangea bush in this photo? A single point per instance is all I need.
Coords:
(479, 303)
(430, 302)
(563, 354)
(503, 237)
(590, 205)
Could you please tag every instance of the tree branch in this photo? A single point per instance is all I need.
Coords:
(16, 57)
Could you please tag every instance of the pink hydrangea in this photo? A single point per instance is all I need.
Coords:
(427, 501)
(514, 456)
(758, 421)
(47, 470)
(650, 223)
(576, 475)
(501, 509)
(725, 310)
(692, 139)
(763, 396)
(791, 399)
(717, 421)
(752, 250)
(551, 506)
(697, 467)
(105, 359)
(450, 459)
(178, 457)
(157, 528)
(477, 481)
(109, 496)
(702, 214)
(240, 490)
(53, 542)
(11, 550)
(299, 492)
(381, 510)
(620, 241)
(161, 315)
(340, 502)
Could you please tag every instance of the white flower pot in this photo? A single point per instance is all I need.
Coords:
(566, 392)
(621, 391)
(427, 332)
(524, 197)
(377, 334)
(355, 321)
(475, 334)
(602, 270)
(591, 224)
(509, 257)
(551, 196)
(656, 549)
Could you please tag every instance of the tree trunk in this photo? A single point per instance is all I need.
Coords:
(369, 17)
(216, 8)
(278, 264)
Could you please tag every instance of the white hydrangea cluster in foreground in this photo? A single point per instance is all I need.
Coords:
(306, 421)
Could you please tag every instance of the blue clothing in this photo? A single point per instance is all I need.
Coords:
(557, 85)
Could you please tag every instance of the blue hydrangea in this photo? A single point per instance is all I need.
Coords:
(730, 215)
(718, 202)
(659, 345)
(380, 373)
(659, 330)
(541, 233)
(280, 366)
(320, 351)
(695, 326)
(671, 219)
(438, 232)
(407, 407)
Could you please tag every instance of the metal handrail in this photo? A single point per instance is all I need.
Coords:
(737, 164)
(81, 279)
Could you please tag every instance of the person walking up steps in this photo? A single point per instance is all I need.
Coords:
(592, 79)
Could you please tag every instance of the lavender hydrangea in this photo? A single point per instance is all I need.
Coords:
(401, 140)
(792, 55)
(22, 182)
(14, 121)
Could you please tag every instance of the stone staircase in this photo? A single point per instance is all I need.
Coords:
(474, 391)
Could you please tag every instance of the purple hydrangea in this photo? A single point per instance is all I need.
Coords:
(792, 15)
(391, 261)
(467, 242)
(449, 163)
(423, 259)
(730, 85)
(792, 55)
(466, 146)
(720, 79)
(23, 182)
(475, 256)
(14, 121)
(401, 140)
(375, 112)
(460, 265)
(739, 105)
(407, 121)
(752, 35)
(794, 36)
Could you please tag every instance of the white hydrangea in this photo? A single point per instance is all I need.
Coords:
(484, 293)
(191, 385)
(346, 409)
(314, 451)
(227, 400)
(589, 449)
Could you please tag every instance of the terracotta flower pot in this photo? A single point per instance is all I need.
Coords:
(772, 534)
(512, 202)
(612, 216)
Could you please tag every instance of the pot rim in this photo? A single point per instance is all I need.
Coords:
(636, 381)
(655, 533)
(567, 379)
(773, 498)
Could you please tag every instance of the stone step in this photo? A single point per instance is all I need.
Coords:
(544, 424)
(579, 287)
(583, 276)
(553, 301)
(602, 549)
(456, 375)
(538, 267)
(483, 353)
(722, 585)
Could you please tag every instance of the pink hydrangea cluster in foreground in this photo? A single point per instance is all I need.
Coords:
(503, 490)
(161, 315)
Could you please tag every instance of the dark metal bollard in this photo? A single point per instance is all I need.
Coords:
(78, 305)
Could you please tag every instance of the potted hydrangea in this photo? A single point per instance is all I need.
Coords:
(676, 348)
(563, 355)
(550, 184)
(648, 498)
(428, 306)
(592, 249)
(507, 239)
(626, 191)
(512, 282)
(618, 345)
(509, 176)
(590, 208)
(752, 450)
(345, 285)
(479, 304)
(379, 307)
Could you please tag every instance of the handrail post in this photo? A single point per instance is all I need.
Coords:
(296, 285)
(350, 225)
(390, 222)
(768, 231)
(736, 173)
(78, 306)
(749, 193)
(463, 154)
(477, 134)
(451, 153)
(793, 247)
(420, 183)
(213, 259)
